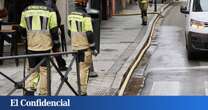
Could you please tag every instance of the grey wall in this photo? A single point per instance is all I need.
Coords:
(65, 7)
(62, 6)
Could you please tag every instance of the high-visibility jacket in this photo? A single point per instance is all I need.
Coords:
(79, 23)
(143, 4)
(41, 25)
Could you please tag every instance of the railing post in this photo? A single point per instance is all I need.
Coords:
(1, 45)
(47, 59)
(48, 75)
(24, 73)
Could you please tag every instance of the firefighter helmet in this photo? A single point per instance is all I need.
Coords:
(81, 2)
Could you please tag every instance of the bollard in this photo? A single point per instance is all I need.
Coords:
(1, 45)
(48, 75)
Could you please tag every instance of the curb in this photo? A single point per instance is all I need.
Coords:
(123, 72)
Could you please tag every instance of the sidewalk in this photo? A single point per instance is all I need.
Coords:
(120, 35)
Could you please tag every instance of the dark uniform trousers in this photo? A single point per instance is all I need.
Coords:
(143, 4)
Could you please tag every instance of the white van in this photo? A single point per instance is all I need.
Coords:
(196, 13)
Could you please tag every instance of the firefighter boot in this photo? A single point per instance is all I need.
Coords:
(29, 93)
(92, 73)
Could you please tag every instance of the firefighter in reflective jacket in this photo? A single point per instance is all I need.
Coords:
(40, 23)
(81, 33)
(143, 4)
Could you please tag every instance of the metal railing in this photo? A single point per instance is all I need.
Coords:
(50, 63)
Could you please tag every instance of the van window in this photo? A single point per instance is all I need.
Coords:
(200, 6)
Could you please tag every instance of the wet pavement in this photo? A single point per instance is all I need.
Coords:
(119, 37)
(168, 70)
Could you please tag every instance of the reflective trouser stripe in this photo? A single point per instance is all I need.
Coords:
(32, 81)
(93, 44)
(56, 41)
(38, 81)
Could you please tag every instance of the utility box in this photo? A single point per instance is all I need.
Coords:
(96, 26)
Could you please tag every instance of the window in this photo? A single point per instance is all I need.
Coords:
(200, 6)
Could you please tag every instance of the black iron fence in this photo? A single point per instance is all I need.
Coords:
(50, 63)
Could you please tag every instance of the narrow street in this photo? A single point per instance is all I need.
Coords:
(164, 69)
(169, 72)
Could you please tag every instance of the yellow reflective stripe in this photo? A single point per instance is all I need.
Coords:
(144, 2)
(53, 20)
(36, 25)
(36, 22)
(23, 22)
(88, 24)
(75, 23)
(78, 23)
(76, 17)
(37, 8)
(76, 13)
(35, 80)
(73, 26)
(37, 13)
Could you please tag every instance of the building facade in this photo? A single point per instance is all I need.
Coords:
(107, 8)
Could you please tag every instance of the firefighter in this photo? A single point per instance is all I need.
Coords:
(59, 59)
(40, 23)
(81, 34)
(143, 4)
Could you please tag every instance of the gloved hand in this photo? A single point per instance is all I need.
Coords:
(94, 52)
